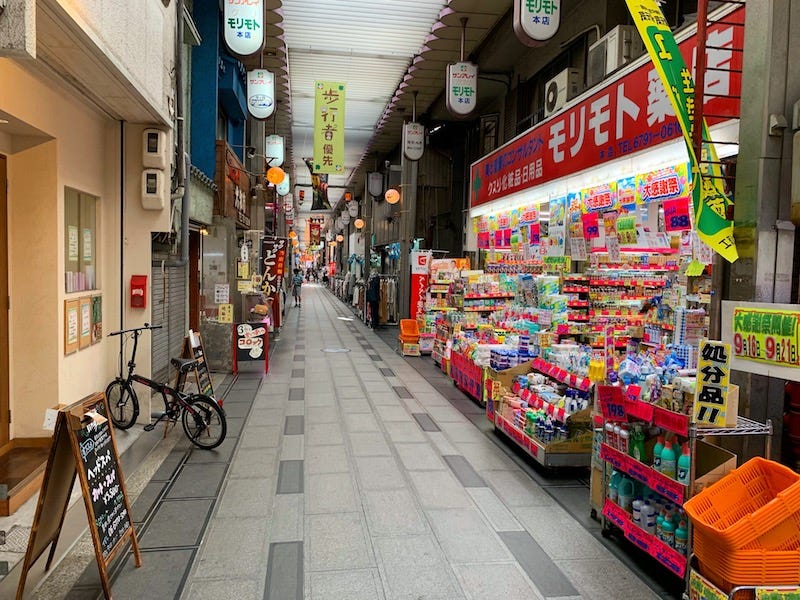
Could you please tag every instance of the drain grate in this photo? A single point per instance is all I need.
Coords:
(336, 350)
(16, 540)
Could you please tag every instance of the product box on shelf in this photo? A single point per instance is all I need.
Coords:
(409, 349)
(712, 464)
(506, 376)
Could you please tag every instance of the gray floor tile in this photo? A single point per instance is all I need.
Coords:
(207, 589)
(419, 457)
(496, 580)
(235, 426)
(170, 464)
(415, 567)
(297, 393)
(355, 406)
(326, 434)
(246, 536)
(337, 542)
(247, 498)
(369, 444)
(294, 425)
(198, 481)
(463, 432)
(177, 523)
(379, 473)
(290, 477)
(545, 574)
(392, 413)
(446, 414)
(317, 415)
(254, 462)
(425, 422)
(147, 498)
(268, 416)
(264, 436)
(463, 471)
(220, 454)
(436, 489)
(360, 422)
(407, 431)
(600, 579)
(160, 575)
(386, 372)
(558, 533)
(393, 512)
(441, 443)
(298, 372)
(515, 488)
(326, 459)
(346, 585)
(288, 514)
(498, 515)
(464, 535)
(485, 456)
(402, 391)
(285, 572)
(293, 447)
(331, 493)
(237, 409)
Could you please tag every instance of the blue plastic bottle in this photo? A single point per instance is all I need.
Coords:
(625, 491)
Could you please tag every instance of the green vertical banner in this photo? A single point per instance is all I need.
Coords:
(329, 127)
(708, 196)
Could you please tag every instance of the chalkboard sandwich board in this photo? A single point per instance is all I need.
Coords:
(193, 348)
(83, 445)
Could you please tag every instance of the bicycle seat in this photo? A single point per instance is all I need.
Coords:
(184, 365)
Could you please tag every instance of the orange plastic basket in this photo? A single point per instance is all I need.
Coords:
(409, 331)
(753, 507)
(748, 567)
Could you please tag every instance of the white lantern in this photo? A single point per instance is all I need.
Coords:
(260, 93)
(352, 209)
(243, 25)
(283, 187)
(274, 150)
(345, 218)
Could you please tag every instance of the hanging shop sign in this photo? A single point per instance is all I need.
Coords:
(314, 230)
(665, 184)
(713, 377)
(676, 215)
(243, 26)
(413, 140)
(352, 209)
(462, 88)
(710, 201)
(536, 21)
(420, 268)
(273, 258)
(626, 193)
(284, 187)
(766, 335)
(233, 182)
(630, 114)
(600, 198)
(274, 150)
(329, 127)
(260, 93)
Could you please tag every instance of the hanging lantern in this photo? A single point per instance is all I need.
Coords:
(295, 243)
(359, 223)
(275, 175)
(345, 218)
(392, 196)
(352, 209)
(292, 234)
(348, 196)
(332, 244)
(283, 188)
(340, 238)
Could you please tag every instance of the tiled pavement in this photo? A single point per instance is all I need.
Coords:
(355, 479)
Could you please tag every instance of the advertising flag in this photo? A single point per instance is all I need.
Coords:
(329, 127)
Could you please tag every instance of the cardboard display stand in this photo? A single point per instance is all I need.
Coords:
(193, 349)
(83, 445)
(250, 344)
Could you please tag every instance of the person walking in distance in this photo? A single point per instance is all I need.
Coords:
(373, 298)
(297, 283)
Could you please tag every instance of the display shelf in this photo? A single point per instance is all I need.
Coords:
(538, 451)
(483, 308)
(577, 317)
(647, 542)
(555, 372)
(575, 277)
(667, 326)
(658, 482)
(623, 267)
(535, 401)
(744, 426)
(575, 289)
(627, 282)
(578, 304)
(659, 416)
(467, 376)
(604, 250)
(441, 308)
(487, 296)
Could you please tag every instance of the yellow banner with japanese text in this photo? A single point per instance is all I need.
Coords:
(329, 127)
(713, 378)
(710, 201)
(768, 336)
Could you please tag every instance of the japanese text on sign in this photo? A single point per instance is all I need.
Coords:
(329, 127)
(769, 336)
(713, 372)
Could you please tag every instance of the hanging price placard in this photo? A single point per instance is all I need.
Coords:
(591, 225)
(612, 402)
(676, 215)
(626, 229)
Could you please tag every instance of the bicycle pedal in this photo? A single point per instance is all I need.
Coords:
(150, 427)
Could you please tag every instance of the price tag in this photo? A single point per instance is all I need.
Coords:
(610, 223)
(591, 225)
(612, 403)
(612, 246)
(676, 215)
(626, 229)
(577, 249)
(534, 234)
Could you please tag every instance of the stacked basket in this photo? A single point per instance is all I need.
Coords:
(747, 526)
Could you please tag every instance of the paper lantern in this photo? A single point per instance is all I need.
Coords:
(275, 175)
(348, 196)
(392, 196)
(332, 244)
(295, 242)
(345, 218)
(340, 238)
(359, 223)
(352, 209)
(283, 188)
(292, 234)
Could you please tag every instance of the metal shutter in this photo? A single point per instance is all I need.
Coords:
(169, 311)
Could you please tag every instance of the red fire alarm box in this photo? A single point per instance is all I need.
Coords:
(138, 291)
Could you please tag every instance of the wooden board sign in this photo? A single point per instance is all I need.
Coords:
(83, 445)
(250, 343)
(193, 348)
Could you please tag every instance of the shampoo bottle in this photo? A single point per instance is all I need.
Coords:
(625, 491)
(669, 464)
(657, 449)
(684, 465)
(636, 511)
(649, 517)
(681, 537)
(668, 533)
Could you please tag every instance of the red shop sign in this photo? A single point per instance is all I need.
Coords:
(630, 114)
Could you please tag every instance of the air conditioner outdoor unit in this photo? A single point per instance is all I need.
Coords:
(616, 48)
(561, 88)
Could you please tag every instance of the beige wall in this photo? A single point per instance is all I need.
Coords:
(83, 152)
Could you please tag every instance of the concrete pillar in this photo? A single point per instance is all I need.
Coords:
(408, 220)
(764, 233)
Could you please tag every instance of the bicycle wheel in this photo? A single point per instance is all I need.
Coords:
(122, 403)
(204, 422)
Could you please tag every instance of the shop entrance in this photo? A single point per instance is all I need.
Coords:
(4, 421)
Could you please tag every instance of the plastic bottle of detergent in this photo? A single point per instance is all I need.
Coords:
(637, 443)
(636, 511)
(668, 533)
(649, 517)
(613, 485)
(625, 491)
(684, 465)
(681, 537)
(657, 449)
(660, 525)
(669, 465)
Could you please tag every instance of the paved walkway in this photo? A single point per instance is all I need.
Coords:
(353, 478)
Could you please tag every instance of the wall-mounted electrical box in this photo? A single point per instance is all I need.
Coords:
(154, 189)
(138, 291)
(154, 149)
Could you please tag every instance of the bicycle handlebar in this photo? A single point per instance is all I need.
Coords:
(135, 329)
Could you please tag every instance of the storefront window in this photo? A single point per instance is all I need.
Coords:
(80, 241)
